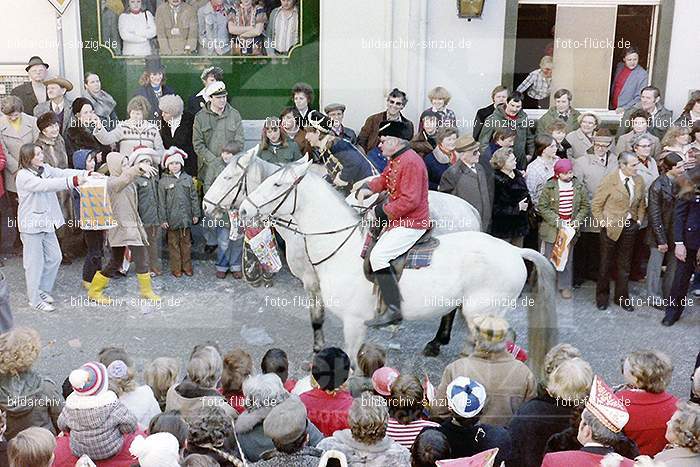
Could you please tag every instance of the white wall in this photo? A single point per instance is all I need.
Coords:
(463, 56)
(683, 64)
(29, 27)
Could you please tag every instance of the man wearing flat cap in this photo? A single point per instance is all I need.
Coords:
(58, 103)
(336, 112)
(405, 214)
(34, 91)
(286, 426)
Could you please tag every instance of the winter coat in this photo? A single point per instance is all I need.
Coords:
(306, 457)
(136, 32)
(29, 400)
(660, 121)
(147, 192)
(13, 140)
(214, 169)
(579, 142)
(611, 204)
(423, 143)
(538, 172)
(178, 202)
(96, 424)
(142, 404)
(328, 412)
(405, 178)
(80, 137)
(346, 161)
(181, 139)
(678, 457)
(648, 173)
(25, 92)
(508, 382)
(45, 107)
(590, 171)
(590, 456)
(187, 398)
(177, 37)
(55, 156)
(211, 132)
(660, 211)
(251, 436)
(481, 116)
(346, 133)
(548, 208)
(632, 89)
(281, 154)
(523, 126)
(147, 91)
(532, 425)
(382, 454)
(474, 188)
(508, 220)
(123, 197)
(467, 441)
(369, 134)
(552, 115)
(485, 157)
(4, 462)
(130, 134)
(649, 414)
(39, 210)
(436, 163)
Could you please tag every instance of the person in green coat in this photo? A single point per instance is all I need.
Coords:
(563, 200)
(511, 115)
(275, 145)
(147, 191)
(560, 111)
(178, 209)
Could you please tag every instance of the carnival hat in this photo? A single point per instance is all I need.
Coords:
(320, 121)
(397, 129)
(215, 89)
(141, 154)
(466, 397)
(606, 406)
(174, 154)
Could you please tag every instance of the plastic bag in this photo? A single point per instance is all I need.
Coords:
(95, 207)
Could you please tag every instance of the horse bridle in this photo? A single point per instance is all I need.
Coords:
(242, 184)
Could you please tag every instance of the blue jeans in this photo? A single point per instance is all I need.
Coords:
(229, 252)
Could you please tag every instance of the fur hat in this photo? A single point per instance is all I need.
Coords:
(466, 397)
(89, 380)
(45, 120)
(330, 368)
(396, 129)
(173, 154)
(78, 104)
(157, 450)
(140, 154)
(172, 104)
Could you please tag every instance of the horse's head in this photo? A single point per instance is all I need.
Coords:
(277, 194)
(230, 186)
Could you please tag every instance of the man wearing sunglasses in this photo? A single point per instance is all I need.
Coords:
(369, 135)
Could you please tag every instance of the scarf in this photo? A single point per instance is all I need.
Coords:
(102, 102)
(444, 155)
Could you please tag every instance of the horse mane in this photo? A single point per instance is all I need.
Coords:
(330, 191)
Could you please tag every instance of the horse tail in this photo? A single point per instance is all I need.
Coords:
(542, 315)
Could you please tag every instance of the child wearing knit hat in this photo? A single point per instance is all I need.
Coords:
(157, 450)
(93, 414)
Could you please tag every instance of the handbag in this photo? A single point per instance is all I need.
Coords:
(95, 207)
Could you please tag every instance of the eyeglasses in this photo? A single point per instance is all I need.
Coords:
(392, 102)
(601, 146)
(644, 145)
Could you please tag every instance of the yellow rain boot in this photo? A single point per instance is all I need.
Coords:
(86, 285)
(98, 284)
(145, 287)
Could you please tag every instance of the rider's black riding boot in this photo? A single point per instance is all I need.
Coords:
(389, 287)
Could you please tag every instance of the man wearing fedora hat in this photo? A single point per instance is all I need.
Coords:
(58, 103)
(467, 179)
(405, 214)
(33, 92)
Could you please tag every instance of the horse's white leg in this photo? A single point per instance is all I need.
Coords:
(317, 313)
(354, 332)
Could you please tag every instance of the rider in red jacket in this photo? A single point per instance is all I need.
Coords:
(405, 178)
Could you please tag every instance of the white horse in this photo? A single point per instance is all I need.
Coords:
(483, 274)
(247, 171)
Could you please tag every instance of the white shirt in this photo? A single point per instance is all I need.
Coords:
(174, 124)
(630, 184)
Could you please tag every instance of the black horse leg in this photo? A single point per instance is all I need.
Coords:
(442, 337)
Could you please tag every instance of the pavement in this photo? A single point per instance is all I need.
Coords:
(233, 314)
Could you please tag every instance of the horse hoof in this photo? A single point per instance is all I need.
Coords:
(431, 350)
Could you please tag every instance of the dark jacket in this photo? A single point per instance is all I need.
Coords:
(182, 139)
(474, 188)
(29, 400)
(353, 167)
(147, 92)
(79, 137)
(435, 169)
(660, 211)
(369, 134)
(532, 425)
(508, 220)
(178, 202)
(347, 133)
(524, 129)
(25, 92)
(481, 116)
(686, 222)
(4, 462)
(306, 457)
(463, 444)
(147, 190)
(423, 143)
(485, 158)
(280, 154)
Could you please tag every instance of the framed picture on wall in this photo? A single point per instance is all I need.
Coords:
(470, 8)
